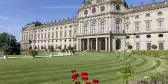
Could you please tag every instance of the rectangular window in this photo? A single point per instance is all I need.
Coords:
(41, 36)
(137, 26)
(148, 26)
(56, 34)
(85, 29)
(148, 15)
(70, 33)
(48, 35)
(160, 24)
(127, 27)
(60, 33)
(102, 27)
(159, 13)
(65, 34)
(161, 46)
(148, 46)
(137, 46)
(118, 26)
(137, 16)
(94, 28)
(52, 34)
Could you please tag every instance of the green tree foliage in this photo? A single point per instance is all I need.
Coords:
(33, 53)
(51, 48)
(9, 44)
(130, 47)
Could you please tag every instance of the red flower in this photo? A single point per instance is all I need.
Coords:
(84, 74)
(73, 71)
(74, 76)
(87, 82)
(84, 78)
(95, 81)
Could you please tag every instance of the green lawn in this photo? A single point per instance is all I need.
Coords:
(57, 70)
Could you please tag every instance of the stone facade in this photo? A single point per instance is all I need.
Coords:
(104, 25)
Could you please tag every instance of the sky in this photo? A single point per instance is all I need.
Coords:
(14, 14)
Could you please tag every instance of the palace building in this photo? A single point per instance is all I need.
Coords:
(103, 25)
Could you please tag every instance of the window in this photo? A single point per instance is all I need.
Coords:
(102, 26)
(52, 34)
(127, 37)
(85, 12)
(117, 7)
(38, 36)
(137, 36)
(137, 46)
(137, 26)
(148, 46)
(137, 16)
(60, 33)
(64, 46)
(159, 13)
(148, 36)
(65, 34)
(127, 27)
(70, 26)
(102, 8)
(69, 40)
(65, 26)
(148, 26)
(94, 10)
(118, 26)
(56, 35)
(161, 46)
(160, 35)
(70, 33)
(48, 35)
(148, 15)
(160, 24)
(85, 28)
(45, 36)
(94, 27)
(41, 36)
(65, 40)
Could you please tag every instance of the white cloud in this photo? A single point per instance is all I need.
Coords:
(3, 17)
(58, 7)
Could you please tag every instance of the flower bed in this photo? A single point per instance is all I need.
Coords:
(84, 78)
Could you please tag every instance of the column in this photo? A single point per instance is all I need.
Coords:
(97, 44)
(88, 44)
(114, 44)
(106, 43)
(109, 43)
(79, 45)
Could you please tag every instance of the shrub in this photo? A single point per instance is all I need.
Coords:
(33, 53)
(63, 50)
(154, 47)
(59, 47)
(130, 47)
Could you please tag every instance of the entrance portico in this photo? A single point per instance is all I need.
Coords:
(99, 44)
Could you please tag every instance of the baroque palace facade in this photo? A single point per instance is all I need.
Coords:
(106, 25)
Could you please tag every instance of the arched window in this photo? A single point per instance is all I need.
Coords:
(102, 8)
(85, 12)
(102, 26)
(85, 27)
(94, 27)
(94, 10)
(117, 7)
(118, 25)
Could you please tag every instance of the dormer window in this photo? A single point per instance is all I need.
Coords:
(117, 7)
(85, 12)
(94, 10)
(148, 15)
(102, 8)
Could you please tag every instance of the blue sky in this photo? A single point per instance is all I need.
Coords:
(14, 14)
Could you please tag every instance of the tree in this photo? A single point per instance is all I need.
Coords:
(10, 43)
(51, 48)
(154, 47)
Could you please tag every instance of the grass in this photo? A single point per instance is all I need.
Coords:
(56, 70)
